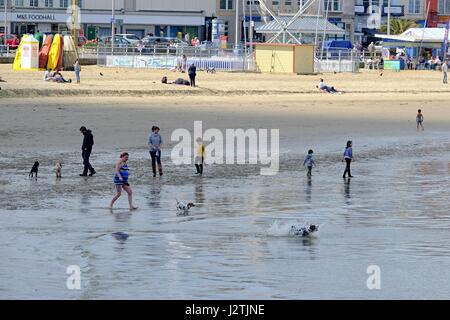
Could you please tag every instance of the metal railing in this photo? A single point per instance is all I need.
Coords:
(167, 57)
(337, 60)
(6, 51)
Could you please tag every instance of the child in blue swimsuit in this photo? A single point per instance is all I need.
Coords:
(121, 181)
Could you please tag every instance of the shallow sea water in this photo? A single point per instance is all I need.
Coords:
(234, 244)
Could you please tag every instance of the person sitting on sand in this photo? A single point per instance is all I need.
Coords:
(1, 80)
(48, 75)
(58, 77)
(325, 88)
(179, 81)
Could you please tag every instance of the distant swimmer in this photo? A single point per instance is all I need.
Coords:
(419, 120)
(121, 181)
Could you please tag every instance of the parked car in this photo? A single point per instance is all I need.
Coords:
(11, 40)
(161, 45)
(82, 40)
(130, 37)
(118, 42)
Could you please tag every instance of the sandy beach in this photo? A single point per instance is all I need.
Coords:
(234, 244)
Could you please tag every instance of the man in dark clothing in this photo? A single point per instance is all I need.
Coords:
(192, 71)
(88, 143)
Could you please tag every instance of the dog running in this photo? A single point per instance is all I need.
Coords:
(183, 209)
(34, 170)
(303, 231)
(211, 70)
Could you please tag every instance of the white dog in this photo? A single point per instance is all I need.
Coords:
(303, 231)
(182, 208)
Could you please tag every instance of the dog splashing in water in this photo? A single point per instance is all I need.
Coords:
(34, 170)
(304, 231)
(183, 209)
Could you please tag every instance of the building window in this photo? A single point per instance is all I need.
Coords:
(414, 7)
(34, 3)
(19, 3)
(288, 3)
(63, 3)
(49, 3)
(301, 3)
(444, 6)
(80, 3)
(333, 5)
(275, 3)
(226, 4)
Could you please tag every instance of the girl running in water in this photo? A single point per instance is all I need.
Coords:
(121, 181)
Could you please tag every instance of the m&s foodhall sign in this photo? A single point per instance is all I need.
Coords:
(35, 17)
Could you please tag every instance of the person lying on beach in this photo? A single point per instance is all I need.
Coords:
(1, 80)
(325, 88)
(179, 81)
(58, 77)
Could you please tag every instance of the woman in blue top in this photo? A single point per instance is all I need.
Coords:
(154, 143)
(121, 181)
(348, 157)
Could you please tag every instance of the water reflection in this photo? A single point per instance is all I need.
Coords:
(308, 189)
(85, 203)
(347, 194)
(199, 194)
(154, 198)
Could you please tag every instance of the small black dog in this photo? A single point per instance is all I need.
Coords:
(34, 170)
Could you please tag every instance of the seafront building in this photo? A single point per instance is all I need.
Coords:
(360, 19)
(141, 17)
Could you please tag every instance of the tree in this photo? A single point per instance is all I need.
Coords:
(399, 26)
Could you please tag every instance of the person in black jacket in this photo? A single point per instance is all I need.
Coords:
(88, 143)
(192, 71)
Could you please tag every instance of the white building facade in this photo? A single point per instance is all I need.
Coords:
(159, 17)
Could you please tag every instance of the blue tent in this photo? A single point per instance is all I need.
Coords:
(338, 44)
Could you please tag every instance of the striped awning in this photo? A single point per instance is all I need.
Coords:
(303, 24)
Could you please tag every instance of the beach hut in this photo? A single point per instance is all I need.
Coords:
(285, 58)
(27, 55)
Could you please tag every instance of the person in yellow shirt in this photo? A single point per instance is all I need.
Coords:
(200, 156)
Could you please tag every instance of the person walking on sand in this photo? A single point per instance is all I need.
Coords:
(192, 71)
(88, 143)
(445, 71)
(154, 142)
(183, 63)
(77, 69)
(348, 157)
(309, 162)
(200, 156)
(419, 120)
(121, 181)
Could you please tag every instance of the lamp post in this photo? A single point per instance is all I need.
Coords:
(389, 17)
(75, 19)
(236, 40)
(6, 23)
(251, 26)
(113, 25)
